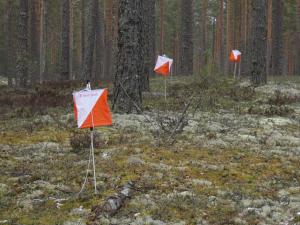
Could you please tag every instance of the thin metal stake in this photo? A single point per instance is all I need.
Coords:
(235, 70)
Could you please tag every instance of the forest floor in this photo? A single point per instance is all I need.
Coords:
(233, 158)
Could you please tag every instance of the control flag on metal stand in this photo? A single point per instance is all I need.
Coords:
(91, 110)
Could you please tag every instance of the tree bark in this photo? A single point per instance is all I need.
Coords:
(259, 42)
(90, 39)
(186, 48)
(128, 87)
(147, 40)
(99, 40)
(161, 20)
(277, 37)
(65, 41)
(22, 56)
(298, 37)
(108, 38)
(8, 41)
(229, 34)
(204, 35)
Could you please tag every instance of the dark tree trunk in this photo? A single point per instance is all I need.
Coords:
(22, 58)
(259, 42)
(147, 41)
(203, 41)
(127, 90)
(90, 39)
(35, 35)
(99, 39)
(8, 41)
(186, 48)
(108, 38)
(65, 41)
(277, 37)
(298, 38)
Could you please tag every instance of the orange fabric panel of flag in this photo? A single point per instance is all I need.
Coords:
(163, 70)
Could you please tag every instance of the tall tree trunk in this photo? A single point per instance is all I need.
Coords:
(148, 23)
(269, 37)
(43, 40)
(259, 42)
(65, 41)
(108, 38)
(229, 33)
(99, 40)
(219, 37)
(71, 39)
(22, 56)
(8, 41)
(127, 89)
(298, 37)
(161, 20)
(90, 39)
(186, 48)
(35, 37)
(83, 9)
(277, 37)
(203, 33)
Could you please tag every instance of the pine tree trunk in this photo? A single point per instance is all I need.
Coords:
(148, 23)
(108, 38)
(161, 20)
(219, 37)
(127, 90)
(229, 34)
(298, 37)
(90, 39)
(277, 37)
(8, 41)
(259, 42)
(99, 40)
(43, 40)
(65, 41)
(203, 33)
(22, 56)
(35, 36)
(186, 48)
(269, 38)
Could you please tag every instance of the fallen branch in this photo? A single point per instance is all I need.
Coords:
(112, 204)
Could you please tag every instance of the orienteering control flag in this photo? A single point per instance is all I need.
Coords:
(235, 56)
(163, 65)
(91, 108)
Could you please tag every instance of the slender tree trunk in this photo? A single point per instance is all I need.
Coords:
(277, 37)
(161, 19)
(90, 39)
(65, 41)
(229, 34)
(269, 38)
(259, 42)
(8, 41)
(99, 40)
(108, 38)
(148, 23)
(83, 13)
(128, 89)
(22, 56)
(204, 35)
(186, 48)
(71, 39)
(298, 37)
(43, 40)
(35, 37)
(219, 37)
